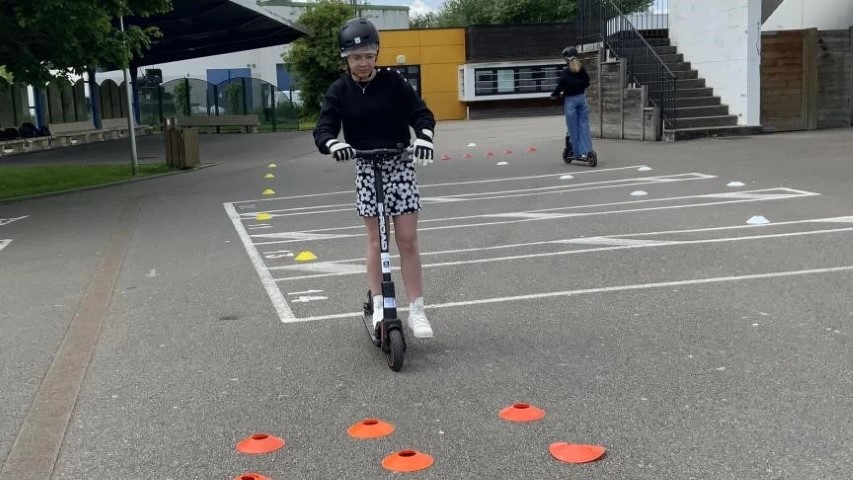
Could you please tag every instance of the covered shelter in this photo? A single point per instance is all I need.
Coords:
(200, 28)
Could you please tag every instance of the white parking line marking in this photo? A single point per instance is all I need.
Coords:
(771, 195)
(434, 185)
(629, 245)
(4, 243)
(616, 242)
(278, 300)
(7, 221)
(620, 288)
(502, 194)
(297, 236)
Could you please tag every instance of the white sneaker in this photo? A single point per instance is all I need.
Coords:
(418, 321)
(377, 310)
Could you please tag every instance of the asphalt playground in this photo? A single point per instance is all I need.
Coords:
(684, 305)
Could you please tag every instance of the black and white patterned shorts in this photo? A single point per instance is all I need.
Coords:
(400, 185)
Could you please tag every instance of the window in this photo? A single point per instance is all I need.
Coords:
(515, 80)
(412, 74)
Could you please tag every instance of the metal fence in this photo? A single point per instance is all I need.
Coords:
(605, 22)
(236, 96)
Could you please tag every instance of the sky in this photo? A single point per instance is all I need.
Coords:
(416, 7)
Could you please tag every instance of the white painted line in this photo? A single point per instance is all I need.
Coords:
(772, 196)
(440, 199)
(297, 236)
(620, 288)
(612, 239)
(616, 242)
(449, 184)
(515, 193)
(309, 298)
(833, 220)
(306, 292)
(631, 245)
(4, 244)
(7, 221)
(531, 215)
(328, 268)
(278, 300)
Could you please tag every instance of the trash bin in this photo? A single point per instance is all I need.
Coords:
(181, 146)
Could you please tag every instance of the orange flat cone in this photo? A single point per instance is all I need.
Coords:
(532, 149)
(260, 443)
(576, 453)
(507, 152)
(251, 476)
(446, 157)
(467, 155)
(490, 154)
(521, 412)
(407, 461)
(370, 428)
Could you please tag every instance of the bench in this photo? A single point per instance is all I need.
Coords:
(248, 122)
(72, 133)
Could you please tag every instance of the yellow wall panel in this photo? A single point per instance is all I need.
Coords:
(440, 78)
(443, 54)
(445, 106)
(399, 38)
(443, 36)
(388, 55)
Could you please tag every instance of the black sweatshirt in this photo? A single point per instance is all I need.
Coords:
(375, 116)
(571, 84)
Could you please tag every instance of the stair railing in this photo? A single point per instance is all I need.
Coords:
(602, 21)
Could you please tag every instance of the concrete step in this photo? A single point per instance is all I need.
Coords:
(690, 83)
(662, 50)
(658, 42)
(694, 92)
(686, 74)
(701, 111)
(672, 135)
(705, 101)
(698, 122)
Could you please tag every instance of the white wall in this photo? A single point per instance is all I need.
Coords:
(820, 14)
(722, 40)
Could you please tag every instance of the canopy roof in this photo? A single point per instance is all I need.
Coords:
(199, 28)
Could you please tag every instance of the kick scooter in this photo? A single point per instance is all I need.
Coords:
(569, 155)
(388, 334)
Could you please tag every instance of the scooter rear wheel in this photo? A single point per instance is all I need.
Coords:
(396, 349)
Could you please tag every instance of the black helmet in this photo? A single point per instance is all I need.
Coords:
(570, 52)
(355, 33)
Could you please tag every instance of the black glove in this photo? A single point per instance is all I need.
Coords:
(341, 151)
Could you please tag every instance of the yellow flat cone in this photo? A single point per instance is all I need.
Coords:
(264, 216)
(272, 165)
(269, 191)
(305, 256)
(269, 175)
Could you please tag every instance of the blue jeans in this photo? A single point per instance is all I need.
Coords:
(577, 123)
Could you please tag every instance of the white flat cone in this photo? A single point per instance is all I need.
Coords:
(566, 177)
(644, 169)
(639, 193)
(502, 163)
(472, 144)
(735, 184)
(758, 220)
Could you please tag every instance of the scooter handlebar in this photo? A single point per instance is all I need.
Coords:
(385, 154)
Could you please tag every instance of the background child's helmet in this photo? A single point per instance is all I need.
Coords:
(570, 52)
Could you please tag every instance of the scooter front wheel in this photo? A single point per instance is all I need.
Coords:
(396, 349)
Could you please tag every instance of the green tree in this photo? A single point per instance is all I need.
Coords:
(463, 13)
(70, 36)
(314, 60)
(182, 97)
